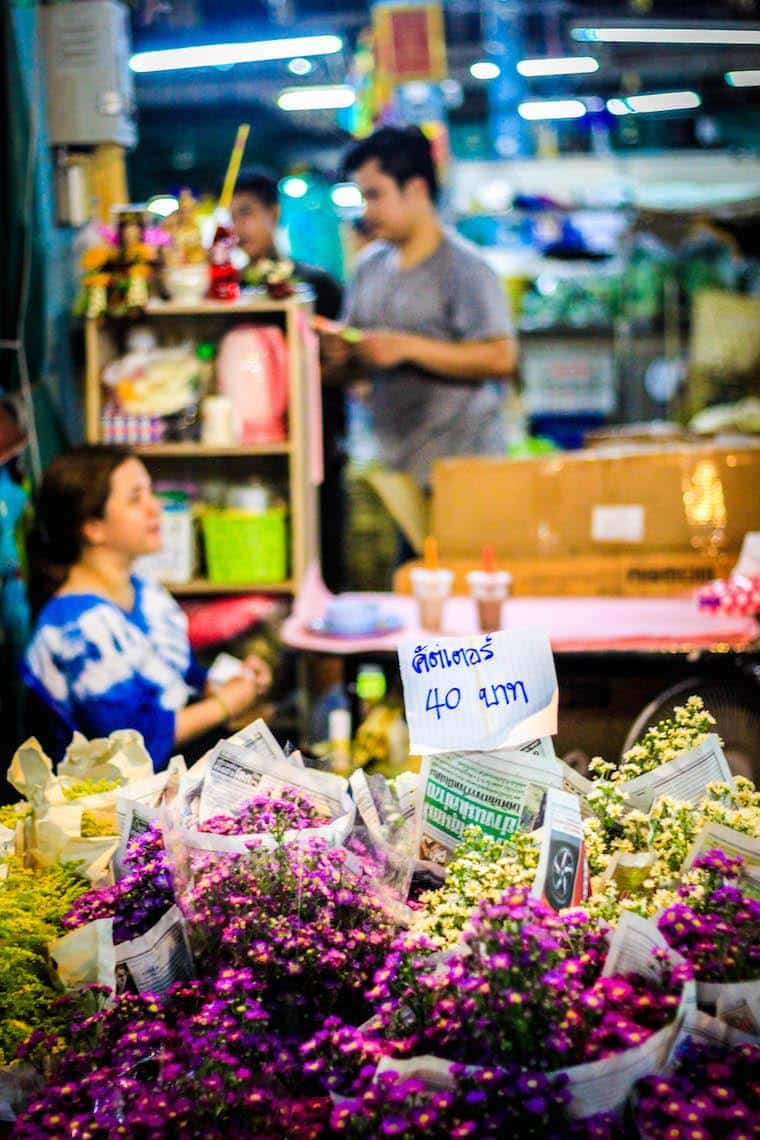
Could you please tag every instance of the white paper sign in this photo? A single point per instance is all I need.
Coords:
(478, 694)
(618, 523)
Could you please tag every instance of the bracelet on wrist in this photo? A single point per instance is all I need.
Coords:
(226, 710)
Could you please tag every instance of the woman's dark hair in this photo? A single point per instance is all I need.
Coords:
(74, 489)
(401, 152)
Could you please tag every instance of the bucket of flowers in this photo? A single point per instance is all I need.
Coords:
(529, 992)
(715, 925)
(710, 1091)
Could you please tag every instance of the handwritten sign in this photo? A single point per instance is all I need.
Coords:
(478, 694)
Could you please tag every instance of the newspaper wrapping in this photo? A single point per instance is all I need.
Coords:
(155, 960)
(699, 1028)
(500, 792)
(579, 785)
(598, 1086)
(685, 778)
(120, 755)
(57, 838)
(732, 843)
(740, 1008)
(235, 774)
(135, 819)
(30, 768)
(562, 878)
(738, 1003)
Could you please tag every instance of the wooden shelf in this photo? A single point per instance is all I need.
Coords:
(244, 304)
(208, 451)
(203, 586)
(103, 343)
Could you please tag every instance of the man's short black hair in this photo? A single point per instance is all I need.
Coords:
(401, 152)
(260, 184)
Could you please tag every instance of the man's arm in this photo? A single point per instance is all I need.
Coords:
(339, 365)
(473, 360)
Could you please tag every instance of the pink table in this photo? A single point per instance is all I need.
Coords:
(575, 625)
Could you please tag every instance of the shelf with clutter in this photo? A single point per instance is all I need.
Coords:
(612, 266)
(217, 389)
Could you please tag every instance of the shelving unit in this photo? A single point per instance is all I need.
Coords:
(202, 586)
(176, 322)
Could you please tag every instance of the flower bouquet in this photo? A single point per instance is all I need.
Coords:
(711, 1091)
(273, 274)
(534, 990)
(73, 815)
(130, 935)
(206, 1060)
(638, 854)
(33, 904)
(715, 926)
(268, 815)
(219, 811)
(482, 870)
(310, 927)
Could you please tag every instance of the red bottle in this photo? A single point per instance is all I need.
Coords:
(223, 276)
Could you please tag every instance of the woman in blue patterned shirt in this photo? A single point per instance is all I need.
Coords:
(110, 650)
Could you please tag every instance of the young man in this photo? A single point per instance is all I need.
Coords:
(437, 338)
(255, 216)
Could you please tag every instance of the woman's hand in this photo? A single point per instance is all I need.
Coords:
(239, 693)
(261, 670)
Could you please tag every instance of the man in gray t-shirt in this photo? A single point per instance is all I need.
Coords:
(436, 335)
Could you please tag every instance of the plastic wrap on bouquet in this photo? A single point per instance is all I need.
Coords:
(222, 804)
(383, 841)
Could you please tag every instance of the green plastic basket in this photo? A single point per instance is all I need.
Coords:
(243, 547)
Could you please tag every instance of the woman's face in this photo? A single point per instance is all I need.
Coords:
(131, 521)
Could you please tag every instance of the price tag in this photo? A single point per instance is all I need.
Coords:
(478, 694)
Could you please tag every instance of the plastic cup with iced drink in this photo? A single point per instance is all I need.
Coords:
(431, 588)
(489, 589)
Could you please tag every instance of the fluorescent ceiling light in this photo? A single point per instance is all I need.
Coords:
(552, 109)
(316, 98)
(560, 65)
(484, 69)
(300, 66)
(631, 34)
(162, 205)
(661, 101)
(747, 78)
(225, 55)
(294, 187)
(347, 196)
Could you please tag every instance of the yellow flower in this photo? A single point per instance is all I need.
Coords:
(95, 257)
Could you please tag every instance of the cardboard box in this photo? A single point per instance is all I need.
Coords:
(610, 575)
(670, 500)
